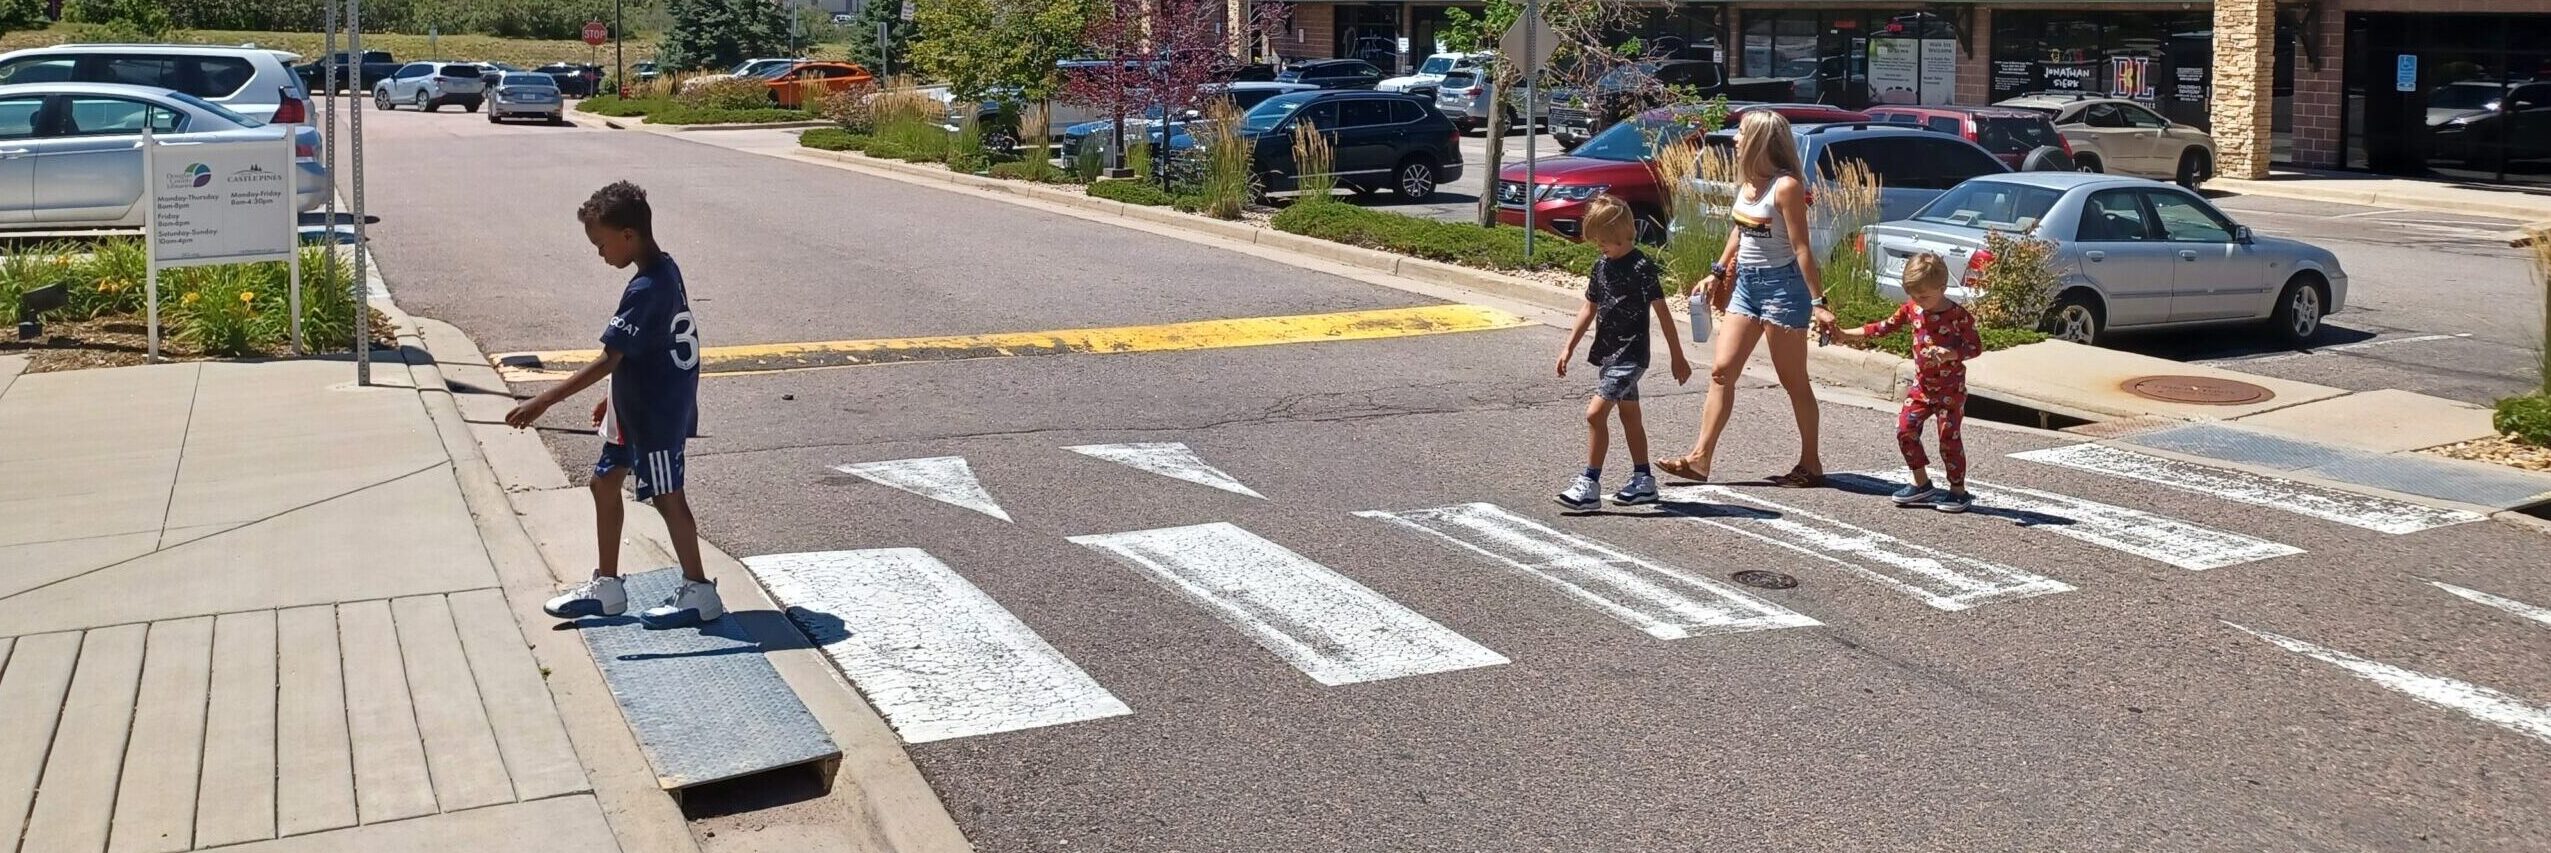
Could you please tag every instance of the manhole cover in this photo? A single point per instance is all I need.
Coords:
(2198, 390)
(1760, 579)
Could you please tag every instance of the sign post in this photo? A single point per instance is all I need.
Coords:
(595, 34)
(220, 203)
(2405, 74)
(1530, 42)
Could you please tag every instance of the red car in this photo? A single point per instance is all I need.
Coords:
(1619, 161)
(2012, 134)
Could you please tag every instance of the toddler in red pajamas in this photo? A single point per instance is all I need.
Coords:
(1944, 337)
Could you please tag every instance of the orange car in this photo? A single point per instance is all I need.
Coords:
(789, 88)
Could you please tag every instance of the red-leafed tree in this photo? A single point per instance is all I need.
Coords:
(1145, 54)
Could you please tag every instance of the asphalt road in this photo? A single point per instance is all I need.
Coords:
(2124, 714)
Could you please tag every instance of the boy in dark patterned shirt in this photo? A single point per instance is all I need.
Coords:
(1621, 292)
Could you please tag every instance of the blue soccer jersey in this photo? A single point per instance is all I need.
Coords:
(655, 392)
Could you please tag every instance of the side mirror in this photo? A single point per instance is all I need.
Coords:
(2241, 234)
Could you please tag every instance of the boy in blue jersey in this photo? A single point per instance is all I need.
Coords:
(651, 351)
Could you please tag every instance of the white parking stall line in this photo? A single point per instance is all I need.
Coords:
(2379, 514)
(1940, 579)
(2359, 345)
(1335, 630)
(2480, 703)
(2188, 545)
(1170, 459)
(946, 479)
(935, 654)
(2521, 609)
(1666, 602)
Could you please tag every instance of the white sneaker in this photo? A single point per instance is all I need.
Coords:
(595, 597)
(690, 604)
(1585, 493)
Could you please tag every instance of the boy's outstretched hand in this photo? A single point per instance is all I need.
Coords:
(1564, 358)
(524, 415)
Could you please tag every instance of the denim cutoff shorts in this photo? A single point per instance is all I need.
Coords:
(1775, 295)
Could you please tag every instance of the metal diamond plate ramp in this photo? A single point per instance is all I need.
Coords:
(705, 704)
(2405, 473)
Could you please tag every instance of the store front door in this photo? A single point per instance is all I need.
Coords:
(2462, 97)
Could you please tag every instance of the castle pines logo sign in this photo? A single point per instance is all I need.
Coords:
(254, 174)
(194, 176)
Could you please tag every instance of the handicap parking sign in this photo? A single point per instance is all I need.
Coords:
(2406, 78)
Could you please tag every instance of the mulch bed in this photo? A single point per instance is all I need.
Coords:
(2502, 450)
(122, 342)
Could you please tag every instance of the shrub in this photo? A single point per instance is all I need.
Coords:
(1313, 163)
(1030, 170)
(1851, 201)
(682, 115)
(614, 106)
(908, 126)
(1499, 248)
(1138, 158)
(228, 311)
(1131, 191)
(1088, 165)
(2526, 418)
(965, 149)
(113, 281)
(726, 93)
(2015, 289)
(832, 139)
(328, 303)
(1224, 184)
(1700, 183)
(850, 108)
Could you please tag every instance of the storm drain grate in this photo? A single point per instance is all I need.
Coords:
(1760, 579)
(2197, 390)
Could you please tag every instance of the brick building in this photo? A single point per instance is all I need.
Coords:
(2452, 89)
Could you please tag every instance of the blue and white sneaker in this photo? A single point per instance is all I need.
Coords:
(595, 597)
(1953, 502)
(1915, 495)
(1585, 493)
(691, 604)
(1641, 490)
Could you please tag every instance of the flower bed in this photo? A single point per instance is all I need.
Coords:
(230, 311)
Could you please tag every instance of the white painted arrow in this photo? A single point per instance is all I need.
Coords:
(946, 479)
(1169, 459)
(936, 655)
(2538, 614)
(2480, 703)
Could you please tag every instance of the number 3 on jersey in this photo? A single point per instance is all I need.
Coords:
(686, 342)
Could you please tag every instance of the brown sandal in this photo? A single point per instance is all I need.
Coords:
(1799, 478)
(1681, 467)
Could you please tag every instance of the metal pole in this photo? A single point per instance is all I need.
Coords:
(362, 252)
(328, 134)
(1532, 134)
(292, 222)
(619, 57)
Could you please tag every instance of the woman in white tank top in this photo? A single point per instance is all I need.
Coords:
(1767, 285)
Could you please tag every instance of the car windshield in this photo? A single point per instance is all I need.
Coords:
(776, 69)
(1994, 205)
(2466, 96)
(215, 109)
(2015, 135)
(1633, 141)
(1436, 65)
(535, 81)
(1264, 117)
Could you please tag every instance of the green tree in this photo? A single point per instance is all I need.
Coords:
(126, 20)
(721, 33)
(21, 15)
(894, 54)
(989, 49)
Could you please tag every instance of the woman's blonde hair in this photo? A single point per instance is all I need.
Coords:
(1765, 150)
(1608, 220)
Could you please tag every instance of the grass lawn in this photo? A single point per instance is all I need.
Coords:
(528, 53)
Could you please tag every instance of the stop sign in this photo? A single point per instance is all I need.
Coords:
(596, 33)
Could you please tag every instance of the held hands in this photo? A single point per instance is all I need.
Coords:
(1825, 318)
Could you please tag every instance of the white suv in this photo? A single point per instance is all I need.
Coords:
(429, 86)
(253, 82)
(2123, 137)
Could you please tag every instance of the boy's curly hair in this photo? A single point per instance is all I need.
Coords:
(620, 205)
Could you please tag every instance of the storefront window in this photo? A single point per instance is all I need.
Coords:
(1369, 33)
(2164, 59)
(2466, 97)
(1853, 59)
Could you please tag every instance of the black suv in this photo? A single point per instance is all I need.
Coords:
(1380, 140)
(1332, 74)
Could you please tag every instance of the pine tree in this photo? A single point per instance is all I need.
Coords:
(721, 33)
(863, 37)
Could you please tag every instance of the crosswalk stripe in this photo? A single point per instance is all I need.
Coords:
(2367, 511)
(2480, 703)
(1666, 602)
(1169, 459)
(2188, 545)
(935, 654)
(2537, 614)
(1940, 579)
(1331, 628)
(947, 479)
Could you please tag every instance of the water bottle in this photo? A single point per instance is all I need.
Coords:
(1699, 305)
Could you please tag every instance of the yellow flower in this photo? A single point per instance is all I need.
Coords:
(247, 296)
(191, 297)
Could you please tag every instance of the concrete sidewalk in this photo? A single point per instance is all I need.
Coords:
(251, 604)
(2528, 205)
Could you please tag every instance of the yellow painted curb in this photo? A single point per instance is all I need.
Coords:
(1164, 337)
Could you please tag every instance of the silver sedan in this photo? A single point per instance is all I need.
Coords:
(70, 153)
(2130, 253)
(522, 94)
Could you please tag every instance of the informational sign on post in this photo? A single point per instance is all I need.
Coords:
(221, 203)
(2405, 76)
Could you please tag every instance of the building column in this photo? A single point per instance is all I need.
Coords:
(2244, 98)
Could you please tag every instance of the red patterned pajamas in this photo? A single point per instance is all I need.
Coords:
(1942, 342)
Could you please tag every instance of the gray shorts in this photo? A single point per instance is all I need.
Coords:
(1619, 382)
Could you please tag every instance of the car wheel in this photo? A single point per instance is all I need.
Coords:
(2087, 162)
(472, 107)
(381, 101)
(1416, 179)
(2299, 310)
(2192, 168)
(424, 105)
(2048, 158)
(2076, 317)
(492, 119)
(1651, 230)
